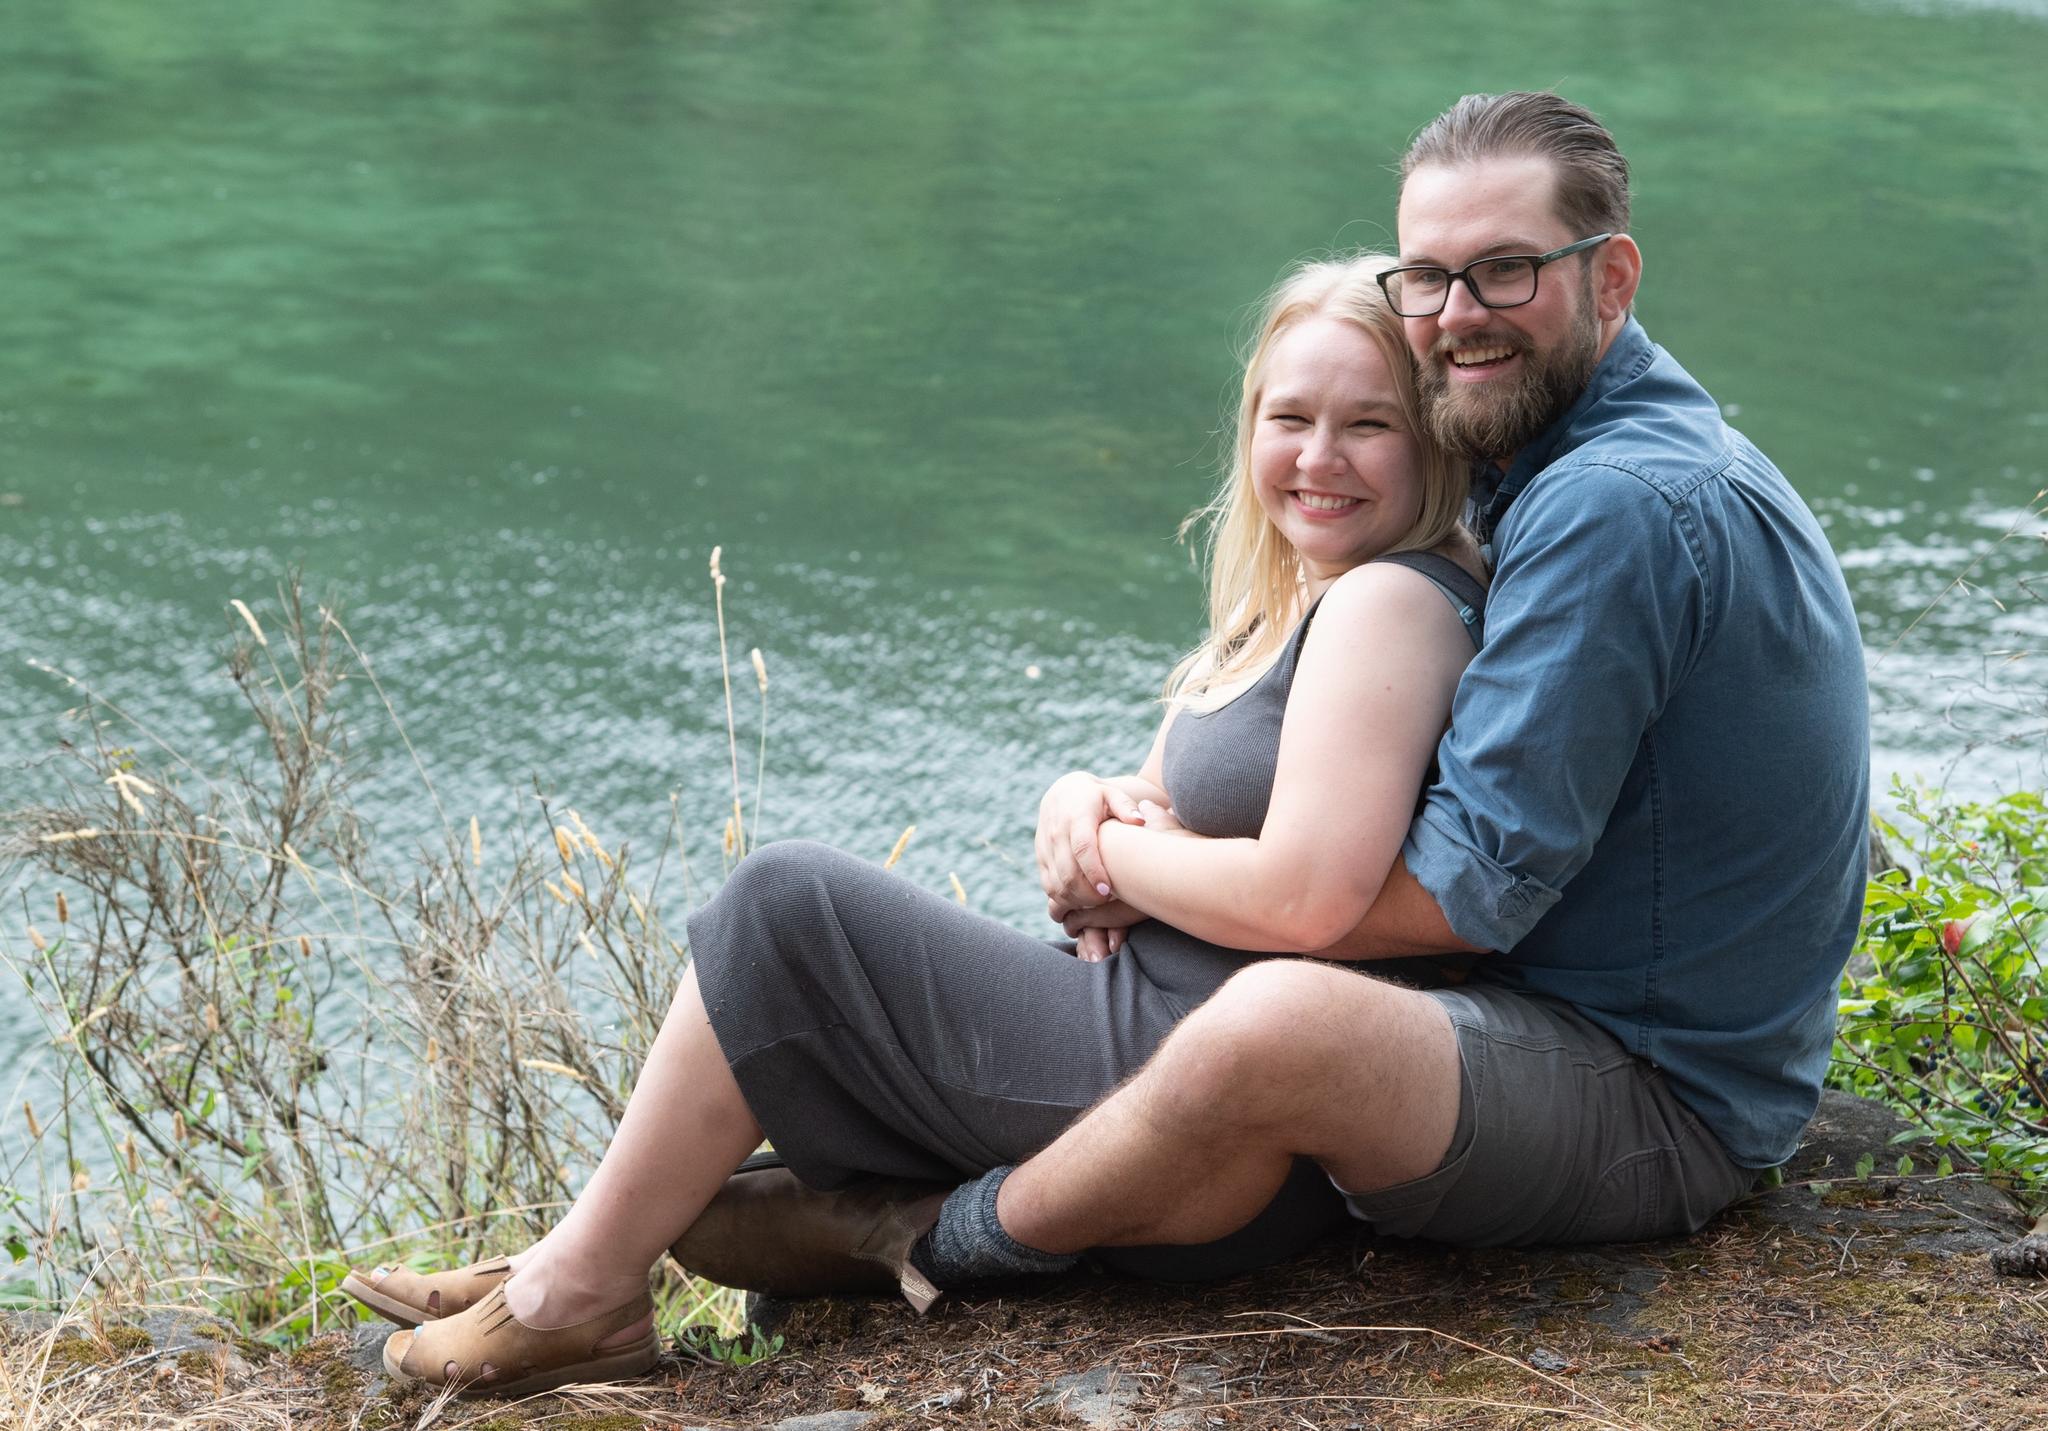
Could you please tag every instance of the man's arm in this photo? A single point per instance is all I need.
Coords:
(1405, 920)
(1596, 612)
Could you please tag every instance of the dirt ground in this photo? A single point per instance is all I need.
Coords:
(1829, 1302)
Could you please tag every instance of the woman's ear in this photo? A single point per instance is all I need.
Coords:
(1620, 271)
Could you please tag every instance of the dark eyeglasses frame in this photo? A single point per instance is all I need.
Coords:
(1536, 262)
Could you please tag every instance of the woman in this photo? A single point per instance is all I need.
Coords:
(870, 1028)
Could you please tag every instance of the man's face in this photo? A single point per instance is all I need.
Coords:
(1491, 379)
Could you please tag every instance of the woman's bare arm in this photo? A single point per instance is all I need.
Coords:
(1371, 696)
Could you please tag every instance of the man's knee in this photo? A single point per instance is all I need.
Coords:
(1257, 1053)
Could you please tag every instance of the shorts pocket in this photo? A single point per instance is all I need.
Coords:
(1628, 1202)
(1663, 1189)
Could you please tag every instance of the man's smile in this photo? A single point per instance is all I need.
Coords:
(1481, 357)
(1477, 362)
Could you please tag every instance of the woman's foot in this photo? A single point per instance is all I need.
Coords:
(401, 1295)
(556, 1288)
(489, 1351)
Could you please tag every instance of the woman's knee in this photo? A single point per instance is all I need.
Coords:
(768, 909)
(776, 881)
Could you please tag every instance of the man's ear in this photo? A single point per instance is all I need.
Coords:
(1621, 270)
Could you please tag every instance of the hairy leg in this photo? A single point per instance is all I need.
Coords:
(684, 1130)
(1289, 1058)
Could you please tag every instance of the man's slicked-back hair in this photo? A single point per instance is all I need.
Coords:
(1592, 177)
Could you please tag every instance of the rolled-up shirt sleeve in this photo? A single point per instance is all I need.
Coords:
(1597, 609)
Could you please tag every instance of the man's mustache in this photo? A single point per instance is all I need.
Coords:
(1447, 343)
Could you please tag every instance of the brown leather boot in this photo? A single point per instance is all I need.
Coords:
(767, 1232)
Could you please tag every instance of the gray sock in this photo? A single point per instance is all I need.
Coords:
(968, 1244)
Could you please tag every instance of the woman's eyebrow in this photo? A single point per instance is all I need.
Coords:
(1286, 399)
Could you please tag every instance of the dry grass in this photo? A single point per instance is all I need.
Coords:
(277, 1054)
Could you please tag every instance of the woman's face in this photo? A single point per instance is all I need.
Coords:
(1333, 461)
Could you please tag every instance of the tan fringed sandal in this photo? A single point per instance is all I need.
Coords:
(487, 1351)
(401, 1295)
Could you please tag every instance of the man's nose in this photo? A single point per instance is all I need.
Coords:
(1462, 312)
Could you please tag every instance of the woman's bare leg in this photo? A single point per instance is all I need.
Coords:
(685, 1129)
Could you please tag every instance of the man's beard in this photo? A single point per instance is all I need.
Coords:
(1495, 420)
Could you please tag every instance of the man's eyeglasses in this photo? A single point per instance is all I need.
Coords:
(1507, 280)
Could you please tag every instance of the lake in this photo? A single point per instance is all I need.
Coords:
(496, 316)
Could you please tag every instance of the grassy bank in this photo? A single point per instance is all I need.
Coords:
(281, 1052)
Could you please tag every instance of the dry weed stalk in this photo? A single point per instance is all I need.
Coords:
(278, 1056)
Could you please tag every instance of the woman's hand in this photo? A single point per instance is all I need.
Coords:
(1098, 930)
(1160, 818)
(1114, 914)
(1092, 946)
(1070, 867)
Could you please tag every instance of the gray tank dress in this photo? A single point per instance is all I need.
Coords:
(877, 1028)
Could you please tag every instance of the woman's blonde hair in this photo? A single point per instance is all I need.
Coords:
(1255, 574)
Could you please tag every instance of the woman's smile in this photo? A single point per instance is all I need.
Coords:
(1326, 504)
(1332, 462)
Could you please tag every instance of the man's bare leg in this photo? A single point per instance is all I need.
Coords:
(1289, 1058)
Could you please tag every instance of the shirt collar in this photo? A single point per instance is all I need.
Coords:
(1626, 358)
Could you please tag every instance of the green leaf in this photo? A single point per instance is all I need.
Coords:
(1865, 1164)
(16, 1249)
(1946, 1168)
(1905, 1164)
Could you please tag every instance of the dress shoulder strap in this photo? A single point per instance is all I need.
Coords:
(1465, 594)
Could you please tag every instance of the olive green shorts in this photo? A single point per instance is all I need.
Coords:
(1562, 1136)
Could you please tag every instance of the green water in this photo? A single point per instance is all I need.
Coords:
(496, 315)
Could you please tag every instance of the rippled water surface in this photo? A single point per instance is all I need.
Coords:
(495, 316)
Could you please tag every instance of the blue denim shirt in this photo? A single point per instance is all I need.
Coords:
(1654, 795)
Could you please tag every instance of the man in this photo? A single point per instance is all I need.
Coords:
(1650, 823)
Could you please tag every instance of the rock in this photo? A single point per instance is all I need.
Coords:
(1822, 1197)
(177, 1331)
(1192, 1397)
(27, 1324)
(1200, 1382)
(2027, 1257)
(366, 1346)
(826, 1421)
(1096, 1397)
(366, 1354)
